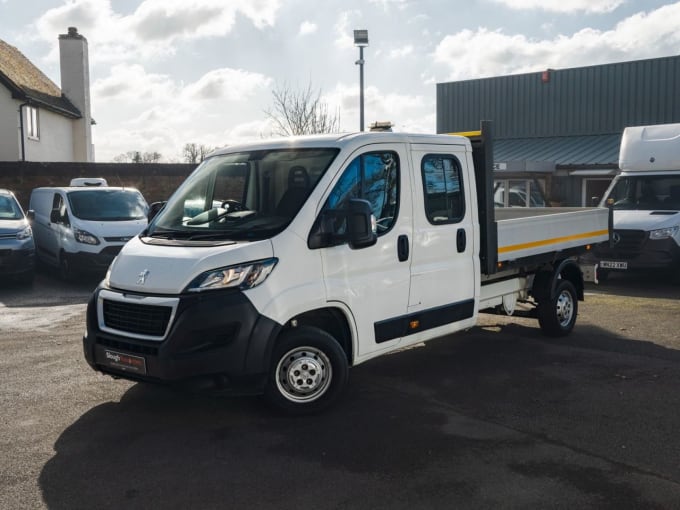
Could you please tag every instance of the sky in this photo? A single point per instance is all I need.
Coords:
(164, 73)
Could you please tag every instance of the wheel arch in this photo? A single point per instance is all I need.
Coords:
(546, 279)
(332, 320)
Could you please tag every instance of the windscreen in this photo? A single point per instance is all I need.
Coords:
(108, 205)
(9, 208)
(645, 193)
(242, 196)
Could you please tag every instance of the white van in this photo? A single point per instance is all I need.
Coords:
(81, 228)
(645, 198)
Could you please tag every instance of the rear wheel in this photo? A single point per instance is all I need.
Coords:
(308, 373)
(557, 313)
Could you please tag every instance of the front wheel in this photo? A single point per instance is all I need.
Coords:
(557, 314)
(308, 373)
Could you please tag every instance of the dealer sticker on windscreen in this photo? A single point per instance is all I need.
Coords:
(125, 362)
(613, 264)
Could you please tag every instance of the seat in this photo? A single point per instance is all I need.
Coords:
(673, 198)
(296, 194)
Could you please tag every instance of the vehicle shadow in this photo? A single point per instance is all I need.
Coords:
(435, 426)
(47, 289)
(659, 284)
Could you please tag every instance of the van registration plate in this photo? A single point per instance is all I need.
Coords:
(613, 264)
(125, 362)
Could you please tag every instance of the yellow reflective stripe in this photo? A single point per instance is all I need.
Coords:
(555, 240)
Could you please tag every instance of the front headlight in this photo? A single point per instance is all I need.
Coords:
(664, 233)
(83, 236)
(242, 276)
(25, 234)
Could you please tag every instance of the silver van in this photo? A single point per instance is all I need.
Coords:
(82, 227)
(17, 250)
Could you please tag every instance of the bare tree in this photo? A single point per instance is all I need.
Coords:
(301, 112)
(194, 153)
(138, 157)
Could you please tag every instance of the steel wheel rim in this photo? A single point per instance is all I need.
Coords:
(565, 308)
(303, 374)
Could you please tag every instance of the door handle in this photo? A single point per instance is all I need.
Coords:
(461, 240)
(402, 248)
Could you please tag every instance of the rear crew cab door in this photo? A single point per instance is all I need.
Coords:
(444, 263)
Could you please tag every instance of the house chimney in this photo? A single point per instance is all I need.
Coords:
(75, 85)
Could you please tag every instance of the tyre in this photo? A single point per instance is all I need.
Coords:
(308, 373)
(557, 314)
(65, 269)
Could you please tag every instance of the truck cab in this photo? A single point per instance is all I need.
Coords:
(645, 199)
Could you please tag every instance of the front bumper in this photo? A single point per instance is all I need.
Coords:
(16, 262)
(640, 252)
(216, 340)
(84, 261)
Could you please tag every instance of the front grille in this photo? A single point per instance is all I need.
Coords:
(625, 244)
(128, 347)
(134, 318)
(111, 250)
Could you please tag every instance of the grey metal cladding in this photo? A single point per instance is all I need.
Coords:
(592, 100)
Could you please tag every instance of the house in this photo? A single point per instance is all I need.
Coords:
(557, 132)
(38, 120)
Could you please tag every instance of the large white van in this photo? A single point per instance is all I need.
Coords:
(81, 228)
(645, 198)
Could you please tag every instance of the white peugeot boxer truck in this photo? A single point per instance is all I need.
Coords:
(277, 265)
(645, 198)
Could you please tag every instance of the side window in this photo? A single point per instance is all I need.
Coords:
(59, 206)
(443, 187)
(373, 176)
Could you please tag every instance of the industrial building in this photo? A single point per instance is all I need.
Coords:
(557, 132)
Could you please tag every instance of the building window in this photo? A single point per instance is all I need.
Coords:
(32, 130)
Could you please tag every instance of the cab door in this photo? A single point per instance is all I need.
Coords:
(444, 263)
(372, 284)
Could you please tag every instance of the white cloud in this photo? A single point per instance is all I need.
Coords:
(387, 4)
(400, 109)
(401, 52)
(155, 27)
(488, 53)
(307, 27)
(228, 84)
(154, 112)
(344, 29)
(564, 6)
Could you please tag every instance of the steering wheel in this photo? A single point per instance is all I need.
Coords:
(384, 223)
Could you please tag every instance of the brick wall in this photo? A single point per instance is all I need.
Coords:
(156, 181)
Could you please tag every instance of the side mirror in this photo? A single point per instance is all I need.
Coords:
(354, 224)
(594, 201)
(30, 214)
(361, 225)
(154, 209)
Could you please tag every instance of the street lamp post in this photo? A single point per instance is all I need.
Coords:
(361, 40)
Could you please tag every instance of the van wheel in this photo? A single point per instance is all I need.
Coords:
(308, 373)
(65, 270)
(557, 314)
